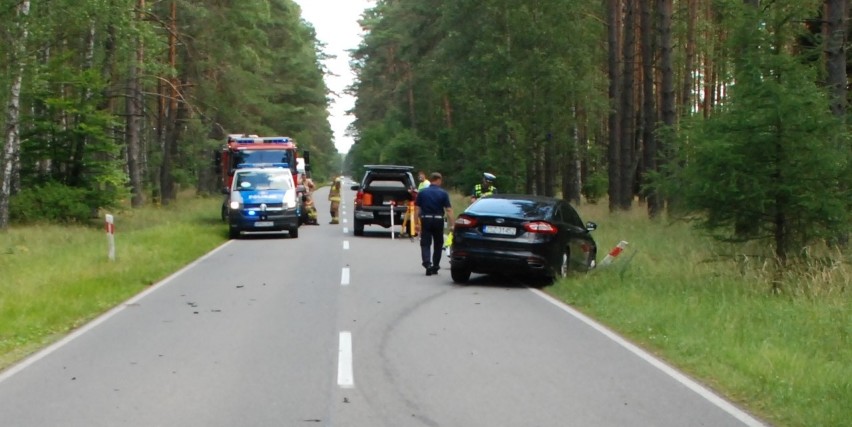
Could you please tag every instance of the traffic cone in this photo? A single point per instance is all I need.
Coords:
(616, 251)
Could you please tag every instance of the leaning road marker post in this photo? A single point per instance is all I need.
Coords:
(110, 230)
(614, 253)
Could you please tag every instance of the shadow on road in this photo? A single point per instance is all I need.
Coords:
(505, 281)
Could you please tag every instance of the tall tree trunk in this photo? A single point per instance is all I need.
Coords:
(628, 101)
(571, 177)
(409, 77)
(448, 112)
(708, 62)
(835, 49)
(168, 192)
(134, 106)
(667, 86)
(549, 166)
(649, 111)
(689, 61)
(82, 141)
(614, 72)
(17, 54)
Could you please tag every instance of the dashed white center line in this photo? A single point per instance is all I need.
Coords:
(344, 277)
(345, 245)
(345, 230)
(345, 377)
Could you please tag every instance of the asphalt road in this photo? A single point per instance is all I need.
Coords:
(335, 330)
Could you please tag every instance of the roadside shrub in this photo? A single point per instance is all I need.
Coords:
(595, 186)
(51, 202)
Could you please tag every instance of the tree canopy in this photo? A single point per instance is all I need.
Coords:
(128, 97)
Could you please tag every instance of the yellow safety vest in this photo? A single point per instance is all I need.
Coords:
(477, 191)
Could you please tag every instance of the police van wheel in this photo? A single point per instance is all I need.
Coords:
(294, 232)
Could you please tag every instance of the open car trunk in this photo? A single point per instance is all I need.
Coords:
(382, 193)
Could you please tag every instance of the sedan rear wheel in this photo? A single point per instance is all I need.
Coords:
(459, 274)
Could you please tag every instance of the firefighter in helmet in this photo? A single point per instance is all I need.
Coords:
(486, 188)
(334, 198)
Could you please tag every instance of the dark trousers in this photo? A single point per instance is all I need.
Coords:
(431, 234)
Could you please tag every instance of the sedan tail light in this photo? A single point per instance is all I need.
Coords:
(540, 227)
(464, 221)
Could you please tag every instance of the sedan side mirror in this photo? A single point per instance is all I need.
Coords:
(591, 226)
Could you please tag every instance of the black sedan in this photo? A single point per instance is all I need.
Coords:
(521, 234)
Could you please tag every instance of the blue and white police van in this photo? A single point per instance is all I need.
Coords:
(263, 198)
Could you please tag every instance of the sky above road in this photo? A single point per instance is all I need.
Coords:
(336, 24)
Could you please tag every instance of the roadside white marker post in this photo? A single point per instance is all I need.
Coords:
(110, 230)
(392, 204)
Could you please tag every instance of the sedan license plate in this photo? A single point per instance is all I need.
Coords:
(263, 224)
(496, 229)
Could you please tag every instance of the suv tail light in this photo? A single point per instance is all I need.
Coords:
(359, 197)
(464, 221)
(540, 227)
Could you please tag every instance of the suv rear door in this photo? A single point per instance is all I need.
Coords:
(382, 186)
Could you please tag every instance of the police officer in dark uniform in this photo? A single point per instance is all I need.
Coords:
(431, 205)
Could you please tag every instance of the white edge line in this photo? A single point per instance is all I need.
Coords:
(344, 276)
(345, 377)
(41, 354)
(657, 363)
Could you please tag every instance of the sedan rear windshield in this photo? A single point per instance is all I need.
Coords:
(511, 208)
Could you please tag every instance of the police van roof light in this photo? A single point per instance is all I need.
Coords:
(263, 165)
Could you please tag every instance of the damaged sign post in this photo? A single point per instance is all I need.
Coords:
(616, 251)
(110, 230)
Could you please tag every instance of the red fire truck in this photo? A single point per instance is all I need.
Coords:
(245, 151)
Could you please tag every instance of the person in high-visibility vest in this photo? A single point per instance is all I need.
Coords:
(423, 181)
(486, 188)
(334, 198)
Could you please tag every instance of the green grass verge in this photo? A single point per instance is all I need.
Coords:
(55, 278)
(784, 356)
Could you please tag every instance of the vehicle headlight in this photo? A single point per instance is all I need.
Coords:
(290, 199)
(236, 201)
